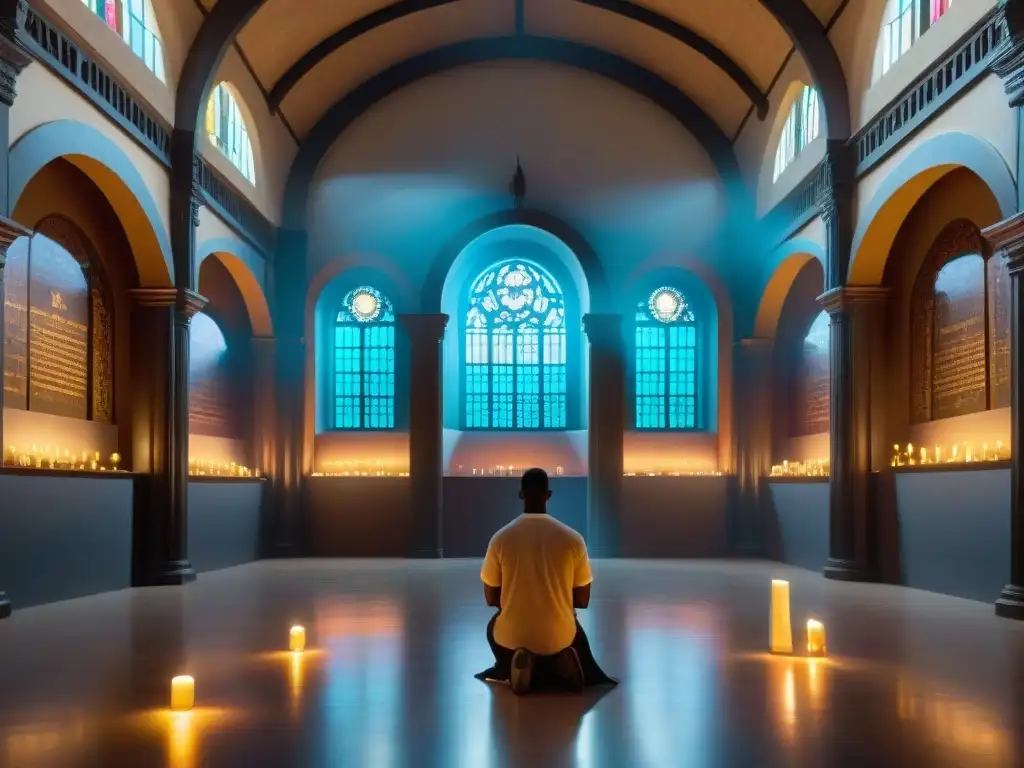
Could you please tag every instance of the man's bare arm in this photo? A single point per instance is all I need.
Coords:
(493, 596)
(581, 596)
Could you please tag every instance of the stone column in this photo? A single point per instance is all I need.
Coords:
(9, 232)
(289, 468)
(752, 446)
(161, 320)
(426, 433)
(855, 334)
(263, 404)
(1008, 238)
(605, 429)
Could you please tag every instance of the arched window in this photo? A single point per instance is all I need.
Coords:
(364, 361)
(228, 132)
(800, 129)
(960, 326)
(58, 327)
(812, 412)
(135, 22)
(904, 21)
(666, 362)
(515, 350)
(211, 401)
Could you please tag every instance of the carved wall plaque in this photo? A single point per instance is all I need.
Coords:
(16, 325)
(210, 404)
(959, 372)
(812, 411)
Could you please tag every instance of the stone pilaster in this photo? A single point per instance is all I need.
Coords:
(856, 325)
(426, 434)
(605, 428)
(835, 198)
(1008, 237)
(9, 232)
(161, 319)
(262, 435)
(289, 469)
(752, 445)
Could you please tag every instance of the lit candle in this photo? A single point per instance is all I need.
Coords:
(297, 639)
(924, 455)
(183, 693)
(781, 633)
(115, 459)
(815, 638)
(938, 454)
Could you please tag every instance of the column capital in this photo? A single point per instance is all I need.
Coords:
(1007, 238)
(603, 330)
(184, 299)
(1008, 57)
(426, 327)
(846, 297)
(9, 232)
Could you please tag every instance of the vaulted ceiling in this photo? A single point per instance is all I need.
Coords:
(722, 54)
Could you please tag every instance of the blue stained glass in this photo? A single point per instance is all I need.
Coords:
(364, 362)
(515, 374)
(666, 362)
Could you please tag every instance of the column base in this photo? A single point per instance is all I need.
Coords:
(5, 606)
(427, 554)
(172, 575)
(1010, 604)
(847, 570)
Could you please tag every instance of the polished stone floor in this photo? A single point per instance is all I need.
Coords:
(912, 679)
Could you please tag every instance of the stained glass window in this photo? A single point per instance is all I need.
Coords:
(904, 21)
(134, 21)
(800, 129)
(515, 350)
(666, 362)
(364, 361)
(228, 131)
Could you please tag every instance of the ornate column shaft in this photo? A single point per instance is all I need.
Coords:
(752, 446)
(856, 323)
(1008, 63)
(264, 423)
(426, 434)
(288, 468)
(605, 429)
(161, 320)
(1008, 237)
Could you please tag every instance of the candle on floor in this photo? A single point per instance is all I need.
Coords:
(815, 638)
(183, 693)
(781, 639)
(297, 638)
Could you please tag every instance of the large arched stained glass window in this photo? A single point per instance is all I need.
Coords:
(666, 362)
(364, 361)
(801, 128)
(228, 131)
(515, 350)
(135, 21)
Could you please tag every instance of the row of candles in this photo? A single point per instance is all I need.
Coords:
(964, 453)
(60, 458)
(210, 468)
(674, 473)
(809, 468)
(359, 469)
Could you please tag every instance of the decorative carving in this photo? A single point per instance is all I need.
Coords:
(835, 200)
(14, 55)
(196, 198)
(1008, 56)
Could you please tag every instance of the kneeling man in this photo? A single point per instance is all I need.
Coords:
(536, 573)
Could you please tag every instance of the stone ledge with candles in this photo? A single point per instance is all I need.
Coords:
(957, 456)
(221, 470)
(354, 468)
(60, 460)
(812, 468)
(499, 470)
(672, 473)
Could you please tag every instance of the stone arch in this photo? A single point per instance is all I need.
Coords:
(779, 274)
(882, 217)
(591, 270)
(246, 268)
(113, 173)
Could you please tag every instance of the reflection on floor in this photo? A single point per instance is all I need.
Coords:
(913, 679)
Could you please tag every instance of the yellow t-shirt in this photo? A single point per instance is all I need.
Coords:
(537, 561)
